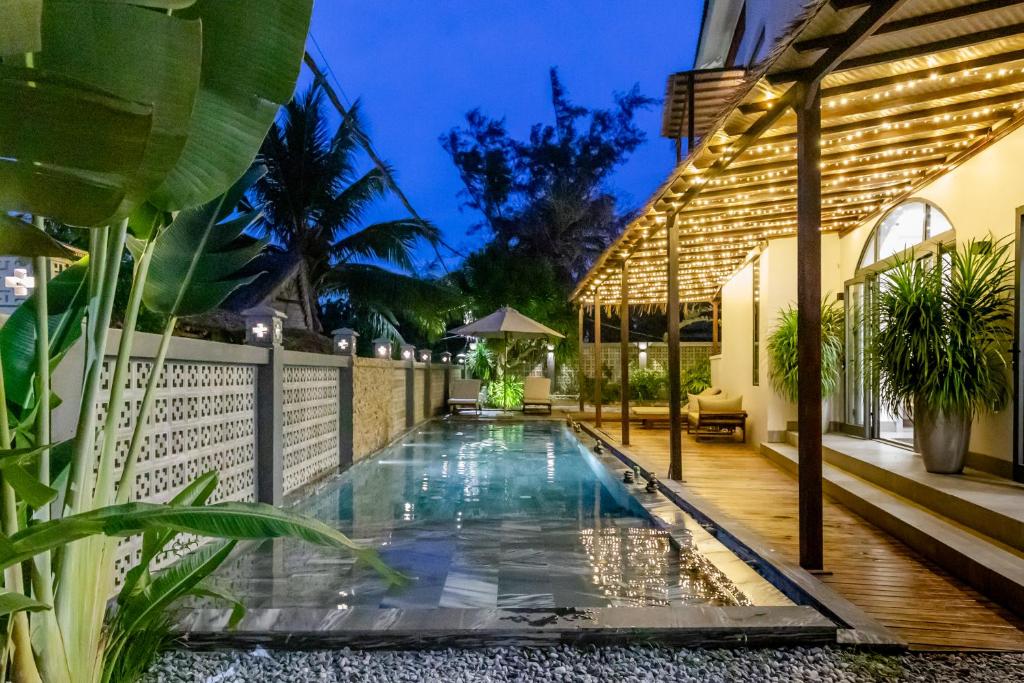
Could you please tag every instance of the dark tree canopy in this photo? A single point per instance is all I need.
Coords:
(546, 197)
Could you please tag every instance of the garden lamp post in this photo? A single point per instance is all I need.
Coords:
(345, 341)
(264, 326)
(382, 348)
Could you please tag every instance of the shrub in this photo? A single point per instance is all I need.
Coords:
(506, 393)
(697, 377)
(647, 384)
(783, 361)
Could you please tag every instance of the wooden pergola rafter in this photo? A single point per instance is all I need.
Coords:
(859, 106)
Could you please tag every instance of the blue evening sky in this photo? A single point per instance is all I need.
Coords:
(419, 65)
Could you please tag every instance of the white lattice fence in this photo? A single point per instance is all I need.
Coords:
(203, 419)
(311, 438)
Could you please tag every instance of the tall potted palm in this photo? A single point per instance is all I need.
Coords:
(940, 350)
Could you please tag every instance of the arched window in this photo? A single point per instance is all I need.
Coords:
(903, 227)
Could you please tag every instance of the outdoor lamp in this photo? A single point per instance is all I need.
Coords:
(642, 356)
(461, 358)
(472, 346)
(382, 347)
(263, 326)
(20, 282)
(408, 351)
(425, 355)
(446, 357)
(642, 346)
(345, 341)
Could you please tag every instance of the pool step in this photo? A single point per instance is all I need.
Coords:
(987, 504)
(992, 567)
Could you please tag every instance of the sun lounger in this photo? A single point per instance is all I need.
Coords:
(537, 393)
(464, 393)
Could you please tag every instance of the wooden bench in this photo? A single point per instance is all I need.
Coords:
(708, 423)
(650, 416)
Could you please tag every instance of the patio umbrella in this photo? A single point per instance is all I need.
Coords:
(506, 323)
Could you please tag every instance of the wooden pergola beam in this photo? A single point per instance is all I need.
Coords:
(580, 374)
(598, 360)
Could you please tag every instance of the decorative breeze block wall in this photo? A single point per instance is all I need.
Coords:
(311, 424)
(203, 419)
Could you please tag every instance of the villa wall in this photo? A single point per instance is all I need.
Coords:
(982, 196)
(768, 412)
(269, 421)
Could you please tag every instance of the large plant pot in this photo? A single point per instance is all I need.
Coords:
(942, 439)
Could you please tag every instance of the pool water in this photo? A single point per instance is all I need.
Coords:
(480, 515)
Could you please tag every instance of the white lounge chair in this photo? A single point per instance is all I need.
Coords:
(464, 393)
(537, 393)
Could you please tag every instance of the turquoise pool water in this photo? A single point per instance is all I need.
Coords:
(479, 515)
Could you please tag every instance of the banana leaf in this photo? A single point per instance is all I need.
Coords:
(18, 238)
(196, 258)
(16, 602)
(66, 302)
(252, 51)
(28, 487)
(233, 521)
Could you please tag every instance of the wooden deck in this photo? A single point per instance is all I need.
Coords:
(925, 605)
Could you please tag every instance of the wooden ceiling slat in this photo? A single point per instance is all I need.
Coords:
(916, 22)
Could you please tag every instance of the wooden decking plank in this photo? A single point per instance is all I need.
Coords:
(924, 604)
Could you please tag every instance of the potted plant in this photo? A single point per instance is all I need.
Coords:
(783, 358)
(941, 343)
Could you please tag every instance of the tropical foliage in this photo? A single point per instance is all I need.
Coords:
(505, 393)
(696, 377)
(783, 351)
(647, 384)
(148, 116)
(313, 200)
(945, 329)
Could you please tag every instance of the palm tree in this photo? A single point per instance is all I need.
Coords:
(313, 199)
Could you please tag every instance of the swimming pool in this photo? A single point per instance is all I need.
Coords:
(487, 515)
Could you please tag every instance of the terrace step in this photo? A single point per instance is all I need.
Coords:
(992, 567)
(987, 504)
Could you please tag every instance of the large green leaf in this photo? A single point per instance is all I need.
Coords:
(66, 307)
(28, 488)
(19, 26)
(21, 456)
(17, 602)
(136, 54)
(196, 258)
(236, 521)
(153, 542)
(252, 51)
(18, 238)
(171, 584)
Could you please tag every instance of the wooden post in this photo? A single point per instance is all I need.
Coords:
(624, 354)
(675, 431)
(581, 375)
(714, 327)
(598, 374)
(808, 110)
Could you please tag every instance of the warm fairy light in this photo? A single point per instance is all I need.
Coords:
(741, 197)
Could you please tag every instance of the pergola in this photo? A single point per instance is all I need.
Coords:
(860, 105)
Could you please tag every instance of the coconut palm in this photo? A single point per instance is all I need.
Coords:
(313, 200)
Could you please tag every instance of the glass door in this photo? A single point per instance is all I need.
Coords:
(855, 379)
(885, 425)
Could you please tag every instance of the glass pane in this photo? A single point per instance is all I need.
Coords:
(855, 355)
(937, 223)
(902, 228)
(869, 253)
(890, 426)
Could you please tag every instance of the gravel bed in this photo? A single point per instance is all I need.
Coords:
(589, 663)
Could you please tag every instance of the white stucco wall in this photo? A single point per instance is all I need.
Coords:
(768, 411)
(980, 197)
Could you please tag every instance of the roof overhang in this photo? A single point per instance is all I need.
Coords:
(910, 89)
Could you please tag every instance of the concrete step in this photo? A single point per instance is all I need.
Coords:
(983, 562)
(987, 504)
